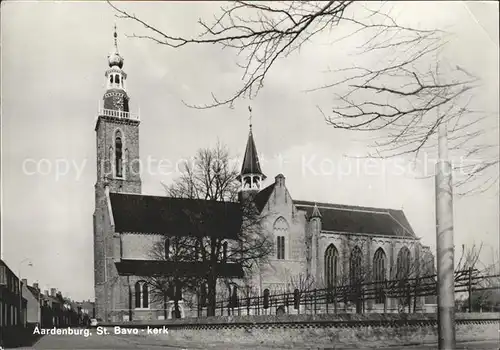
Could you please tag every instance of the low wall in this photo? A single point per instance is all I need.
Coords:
(329, 330)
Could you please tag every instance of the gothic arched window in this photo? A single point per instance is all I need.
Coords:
(281, 233)
(117, 79)
(141, 295)
(111, 79)
(379, 276)
(331, 266)
(403, 264)
(247, 183)
(256, 182)
(118, 155)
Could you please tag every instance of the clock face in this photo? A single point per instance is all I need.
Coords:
(118, 102)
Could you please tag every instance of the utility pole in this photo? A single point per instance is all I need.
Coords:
(444, 243)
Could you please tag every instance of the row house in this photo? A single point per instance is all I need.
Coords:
(12, 303)
(51, 309)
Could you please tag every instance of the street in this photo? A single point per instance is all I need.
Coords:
(143, 341)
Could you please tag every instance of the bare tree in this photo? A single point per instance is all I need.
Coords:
(211, 178)
(401, 101)
(169, 287)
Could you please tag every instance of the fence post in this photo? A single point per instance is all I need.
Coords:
(335, 310)
(258, 304)
(327, 299)
(315, 297)
(408, 300)
(286, 302)
(470, 289)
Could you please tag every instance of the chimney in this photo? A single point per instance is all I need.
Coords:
(35, 285)
(53, 292)
(24, 281)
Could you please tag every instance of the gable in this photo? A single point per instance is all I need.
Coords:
(354, 219)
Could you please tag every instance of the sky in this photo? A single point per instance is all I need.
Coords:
(54, 55)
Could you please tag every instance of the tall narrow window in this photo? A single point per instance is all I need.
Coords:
(331, 266)
(145, 296)
(224, 251)
(379, 276)
(167, 248)
(280, 247)
(280, 232)
(117, 79)
(138, 295)
(111, 78)
(118, 155)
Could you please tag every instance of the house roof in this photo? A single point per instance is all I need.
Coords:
(354, 219)
(175, 216)
(160, 268)
(251, 163)
(36, 293)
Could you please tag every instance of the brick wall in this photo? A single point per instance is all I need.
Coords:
(313, 331)
(358, 337)
(139, 246)
(111, 290)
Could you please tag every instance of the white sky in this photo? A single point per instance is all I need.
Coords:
(53, 63)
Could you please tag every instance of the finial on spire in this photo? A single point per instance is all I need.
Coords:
(316, 213)
(250, 117)
(115, 35)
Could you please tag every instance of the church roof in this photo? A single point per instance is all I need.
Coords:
(354, 219)
(175, 216)
(153, 268)
(262, 197)
(251, 163)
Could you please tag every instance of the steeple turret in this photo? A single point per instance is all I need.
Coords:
(116, 100)
(251, 175)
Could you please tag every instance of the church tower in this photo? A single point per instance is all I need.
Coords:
(117, 131)
(118, 171)
(251, 176)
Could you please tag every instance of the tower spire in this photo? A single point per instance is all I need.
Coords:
(251, 175)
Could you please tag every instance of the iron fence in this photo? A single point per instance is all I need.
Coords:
(401, 295)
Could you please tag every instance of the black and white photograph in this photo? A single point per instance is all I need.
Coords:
(249, 175)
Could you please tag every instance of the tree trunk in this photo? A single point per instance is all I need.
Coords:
(211, 305)
(165, 305)
(177, 311)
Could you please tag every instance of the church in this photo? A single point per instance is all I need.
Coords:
(317, 242)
